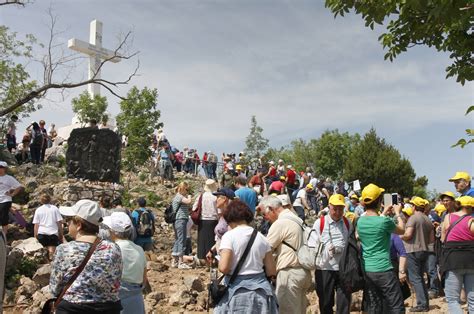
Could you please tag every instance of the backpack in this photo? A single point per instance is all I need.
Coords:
(37, 138)
(170, 214)
(306, 254)
(351, 272)
(146, 223)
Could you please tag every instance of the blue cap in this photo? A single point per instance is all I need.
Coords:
(226, 192)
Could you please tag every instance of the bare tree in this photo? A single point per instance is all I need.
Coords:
(55, 59)
(17, 2)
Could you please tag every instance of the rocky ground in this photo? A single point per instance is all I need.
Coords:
(173, 290)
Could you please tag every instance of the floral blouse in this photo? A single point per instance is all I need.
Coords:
(99, 281)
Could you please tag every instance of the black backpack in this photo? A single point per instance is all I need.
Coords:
(351, 273)
(146, 223)
(37, 138)
(170, 214)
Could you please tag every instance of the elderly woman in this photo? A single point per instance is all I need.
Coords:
(208, 219)
(180, 203)
(96, 289)
(458, 254)
(250, 292)
(134, 263)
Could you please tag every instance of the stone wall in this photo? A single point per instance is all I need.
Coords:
(73, 190)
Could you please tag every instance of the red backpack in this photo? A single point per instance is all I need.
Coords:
(322, 221)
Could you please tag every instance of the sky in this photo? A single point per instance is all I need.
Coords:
(290, 63)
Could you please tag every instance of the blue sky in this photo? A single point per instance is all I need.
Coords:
(290, 63)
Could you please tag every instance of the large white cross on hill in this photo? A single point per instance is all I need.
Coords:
(96, 53)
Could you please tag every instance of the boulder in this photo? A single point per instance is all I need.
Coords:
(28, 246)
(13, 259)
(27, 288)
(193, 282)
(156, 296)
(181, 298)
(41, 277)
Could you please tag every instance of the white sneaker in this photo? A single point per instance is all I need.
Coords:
(174, 263)
(184, 266)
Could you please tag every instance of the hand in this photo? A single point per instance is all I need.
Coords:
(209, 256)
(387, 210)
(402, 277)
(397, 208)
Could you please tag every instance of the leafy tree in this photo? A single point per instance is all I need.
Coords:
(445, 25)
(256, 144)
(14, 79)
(87, 107)
(420, 187)
(372, 160)
(137, 120)
(331, 152)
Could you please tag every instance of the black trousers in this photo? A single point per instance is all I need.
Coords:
(382, 290)
(327, 283)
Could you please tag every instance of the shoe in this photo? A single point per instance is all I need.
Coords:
(195, 263)
(184, 266)
(419, 309)
(433, 294)
(174, 263)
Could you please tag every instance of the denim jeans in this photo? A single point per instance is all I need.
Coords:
(432, 270)
(454, 281)
(416, 265)
(131, 298)
(180, 237)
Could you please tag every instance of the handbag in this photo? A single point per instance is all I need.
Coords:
(217, 290)
(51, 304)
(196, 214)
(455, 253)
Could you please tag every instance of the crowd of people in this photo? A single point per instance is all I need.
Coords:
(251, 222)
(407, 242)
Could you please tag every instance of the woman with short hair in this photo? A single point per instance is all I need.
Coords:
(96, 289)
(251, 292)
(134, 263)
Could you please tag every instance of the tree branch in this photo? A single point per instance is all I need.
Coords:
(17, 2)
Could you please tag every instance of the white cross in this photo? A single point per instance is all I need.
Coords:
(95, 51)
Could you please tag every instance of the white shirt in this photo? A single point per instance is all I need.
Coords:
(236, 240)
(209, 206)
(6, 184)
(47, 216)
(334, 234)
(301, 195)
(133, 261)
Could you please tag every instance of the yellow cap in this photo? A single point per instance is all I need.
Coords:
(337, 200)
(408, 210)
(310, 186)
(354, 196)
(370, 193)
(439, 209)
(282, 178)
(461, 175)
(466, 201)
(448, 193)
(349, 215)
(418, 201)
(238, 167)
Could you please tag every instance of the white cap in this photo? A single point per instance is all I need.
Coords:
(280, 160)
(271, 162)
(3, 164)
(284, 199)
(289, 167)
(118, 221)
(86, 209)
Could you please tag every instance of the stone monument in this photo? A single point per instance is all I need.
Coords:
(94, 155)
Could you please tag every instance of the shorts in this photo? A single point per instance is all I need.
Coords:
(48, 240)
(4, 211)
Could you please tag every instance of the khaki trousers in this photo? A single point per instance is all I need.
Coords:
(291, 287)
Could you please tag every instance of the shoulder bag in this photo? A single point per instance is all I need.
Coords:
(51, 304)
(216, 290)
(196, 215)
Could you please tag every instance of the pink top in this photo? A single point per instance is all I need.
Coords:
(461, 231)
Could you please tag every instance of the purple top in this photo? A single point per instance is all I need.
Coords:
(396, 247)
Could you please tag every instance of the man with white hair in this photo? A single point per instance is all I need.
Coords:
(285, 234)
